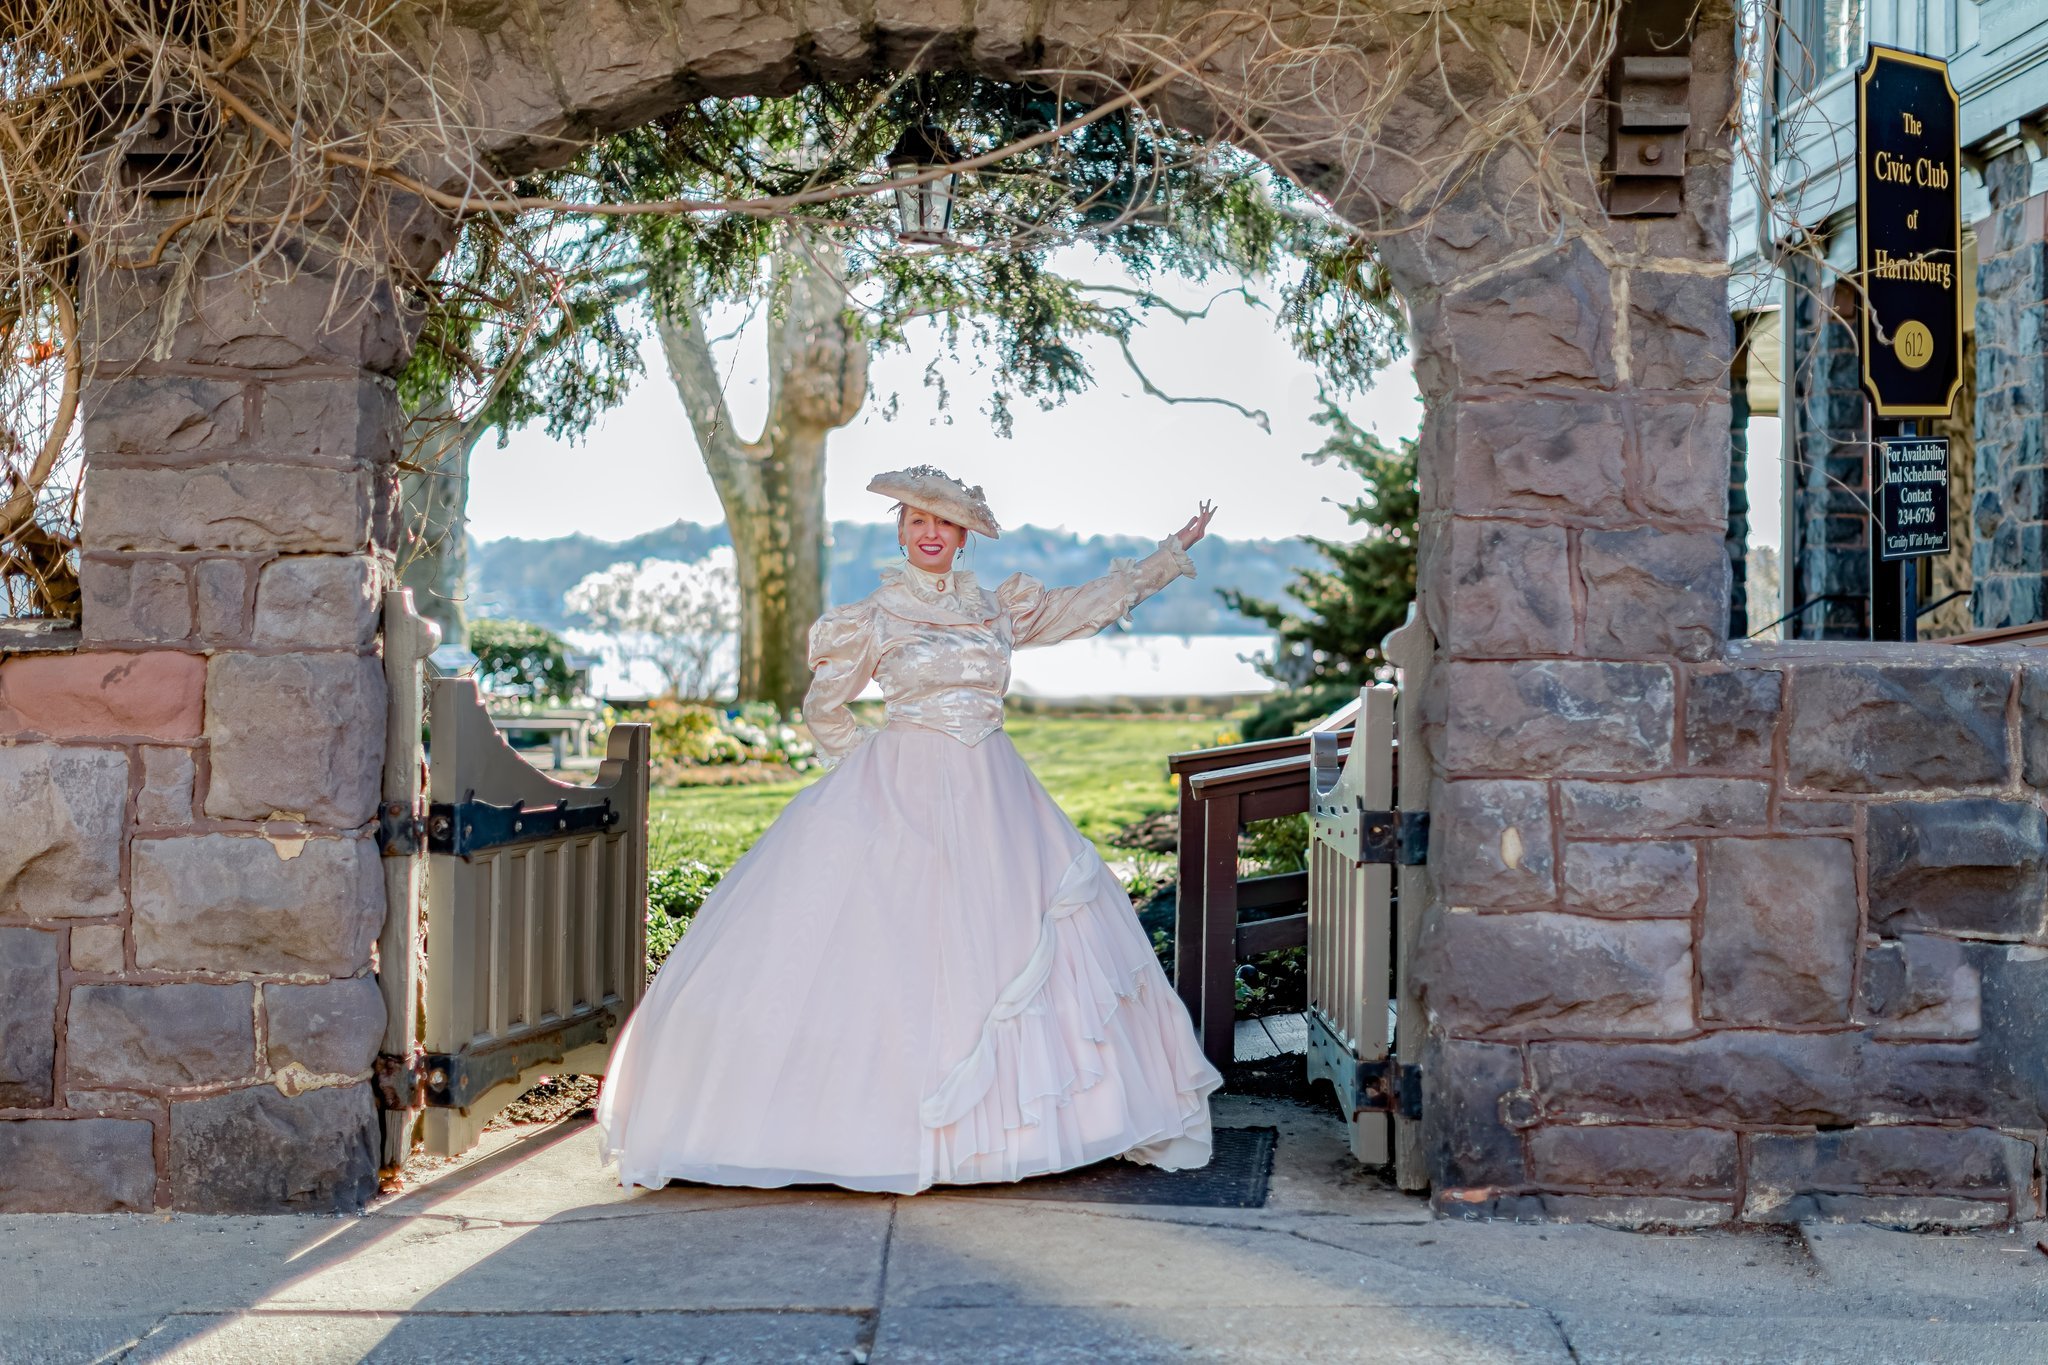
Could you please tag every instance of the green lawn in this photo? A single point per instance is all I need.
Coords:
(1103, 772)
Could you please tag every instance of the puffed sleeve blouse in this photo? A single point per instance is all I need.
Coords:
(942, 658)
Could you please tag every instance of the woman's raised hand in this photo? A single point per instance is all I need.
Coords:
(1197, 527)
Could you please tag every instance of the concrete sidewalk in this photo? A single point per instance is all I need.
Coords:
(530, 1253)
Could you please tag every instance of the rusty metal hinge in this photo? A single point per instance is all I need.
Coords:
(400, 1082)
(1390, 1087)
(398, 830)
(1399, 837)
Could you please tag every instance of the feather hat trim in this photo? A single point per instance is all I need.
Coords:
(933, 490)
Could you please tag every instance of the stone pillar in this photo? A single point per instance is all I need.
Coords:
(1830, 556)
(1721, 931)
(2010, 512)
(188, 925)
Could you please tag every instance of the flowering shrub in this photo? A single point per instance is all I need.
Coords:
(687, 735)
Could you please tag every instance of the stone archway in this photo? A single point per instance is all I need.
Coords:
(1623, 997)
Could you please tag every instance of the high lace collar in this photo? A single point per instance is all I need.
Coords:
(944, 588)
(914, 594)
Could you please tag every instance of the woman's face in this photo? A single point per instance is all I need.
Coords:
(928, 539)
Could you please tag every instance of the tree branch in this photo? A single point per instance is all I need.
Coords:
(695, 371)
(1255, 414)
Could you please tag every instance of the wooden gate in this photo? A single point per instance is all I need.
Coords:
(1357, 840)
(536, 915)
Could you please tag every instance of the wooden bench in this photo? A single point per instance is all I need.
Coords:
(566, 728)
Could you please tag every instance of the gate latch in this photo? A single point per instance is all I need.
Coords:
(1389, 1087)
(1399, 837)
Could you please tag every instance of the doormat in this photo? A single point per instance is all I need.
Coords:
(1235, 1178)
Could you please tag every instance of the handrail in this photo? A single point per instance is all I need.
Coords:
(1231, 755)
(2000, 635)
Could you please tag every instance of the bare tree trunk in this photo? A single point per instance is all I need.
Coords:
(773, 488)
(434, 556)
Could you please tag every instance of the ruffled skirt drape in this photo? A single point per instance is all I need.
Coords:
(921, 974)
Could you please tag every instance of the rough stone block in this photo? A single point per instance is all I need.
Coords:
(1679, 460)
(65, 810)
(222, 590)
(1551, 322)
(103, 694)
(223, 902)
(1509, 591)
(1778, 939)
(1539, 454)
(1922, 1161)
(160, 419)
(135, 599)
(258, 1151)
(1464, 1087)
(1967, 866)
(98, 949)
(1652, 593)
(330, 1029)
(1723, 1078)
(1633, 1157)
(1663, 805)
(1798, 816)
(28, 1017)
(1729, 717)
(300, 734)
(166, 799)
(331, 421)
(1680, 335)
(1551, 716)
(161, 1035)
(317, 601)
(1490, 843)
(1538, 973)
(77, 1166)
(2034, 724)
(253, 320)
(1897, 727)
(1636, 879)
(1919, 986)
(233, 506)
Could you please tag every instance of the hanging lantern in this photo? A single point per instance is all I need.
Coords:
(925, 208)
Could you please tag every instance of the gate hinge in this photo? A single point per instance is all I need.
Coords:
(465, 828)
(400, 1082)
(1399, 837)
(398, 830)
(1389, 1087)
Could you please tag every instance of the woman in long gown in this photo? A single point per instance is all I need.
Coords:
(921, 973)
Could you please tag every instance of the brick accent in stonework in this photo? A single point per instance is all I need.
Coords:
(2010, 513)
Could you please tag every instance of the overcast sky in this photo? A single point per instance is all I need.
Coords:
(1111, 461)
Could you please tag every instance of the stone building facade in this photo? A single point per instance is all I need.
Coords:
(1717, 932)
(1796, 258)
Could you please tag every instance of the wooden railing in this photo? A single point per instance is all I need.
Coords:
(1221, 791)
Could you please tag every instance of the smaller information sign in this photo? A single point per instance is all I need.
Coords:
(1912, 503)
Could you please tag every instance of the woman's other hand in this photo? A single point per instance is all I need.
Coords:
(1197, 527)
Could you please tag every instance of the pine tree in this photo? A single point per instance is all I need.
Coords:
(1330, 647)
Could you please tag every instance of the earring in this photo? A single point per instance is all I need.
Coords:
(902, 549)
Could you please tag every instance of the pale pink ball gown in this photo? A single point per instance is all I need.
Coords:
(922, 973)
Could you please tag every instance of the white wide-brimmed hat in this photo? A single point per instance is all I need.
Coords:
(934, 490)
